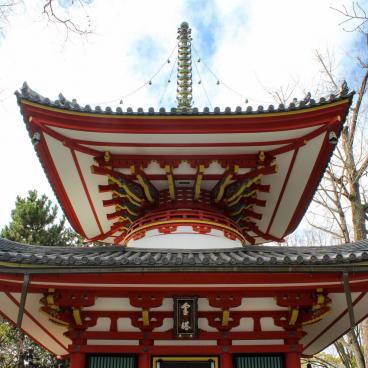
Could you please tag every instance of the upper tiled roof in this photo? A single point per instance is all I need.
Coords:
(21, 257)
(72, 105)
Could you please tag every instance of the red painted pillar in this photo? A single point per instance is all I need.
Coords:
(292, 360)
(226, 360)
(77, 360)
(144, 360)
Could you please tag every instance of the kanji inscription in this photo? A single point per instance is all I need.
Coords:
(185, 317)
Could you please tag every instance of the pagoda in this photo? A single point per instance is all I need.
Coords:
(182, 202)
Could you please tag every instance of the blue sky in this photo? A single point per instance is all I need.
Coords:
(252, 46)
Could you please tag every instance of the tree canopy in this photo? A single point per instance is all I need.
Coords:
(34, 220)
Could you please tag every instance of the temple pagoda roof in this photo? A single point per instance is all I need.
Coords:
(242, 177)
(62, 103)
(19, 258)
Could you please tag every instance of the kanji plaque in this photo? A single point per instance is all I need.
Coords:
(185, 317)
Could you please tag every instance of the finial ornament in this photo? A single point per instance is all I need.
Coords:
(184, 78)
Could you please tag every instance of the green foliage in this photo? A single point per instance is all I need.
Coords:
(323, 360)
(35, 221)
(31, 354)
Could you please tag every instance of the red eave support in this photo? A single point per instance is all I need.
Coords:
(77, 360)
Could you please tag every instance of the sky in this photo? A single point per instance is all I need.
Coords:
(251, 47)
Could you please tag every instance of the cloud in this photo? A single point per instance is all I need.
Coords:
(250, 46)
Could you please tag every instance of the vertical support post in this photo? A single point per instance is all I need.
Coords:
(23, 300)
(144, 360)
(292, 360)
(77, 360)
(349, 301)
(226, 360)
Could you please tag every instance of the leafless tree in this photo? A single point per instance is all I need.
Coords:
(55, 15)
(342, 195)
(53, 12)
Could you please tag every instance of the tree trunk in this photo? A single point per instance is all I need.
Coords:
(20, 362)
(355, 348)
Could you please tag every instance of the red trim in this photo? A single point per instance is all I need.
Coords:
(341, 315)
(68, 142)
(201, 291)
(266, 282)
(322, 118)
(51, 170)
(183, 145)
(28, 334)
(185, 124)
(29, 315)
(314, 179)
(252, 227)
(86, 191)
(299, 142)
(187, 350)
(167, 335)
(211, 278)
(114, 229)
(125, 160)
(286, 180)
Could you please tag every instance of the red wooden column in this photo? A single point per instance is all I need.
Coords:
(226, 360)
(144, 360)
(292, 360)
(77, 360)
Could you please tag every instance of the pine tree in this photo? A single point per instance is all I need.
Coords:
(34, 220)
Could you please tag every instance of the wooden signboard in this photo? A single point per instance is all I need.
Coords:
(185, 317)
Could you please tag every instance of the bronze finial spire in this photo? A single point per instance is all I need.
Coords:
(184, 78)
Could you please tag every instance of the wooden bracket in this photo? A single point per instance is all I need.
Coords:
(225, 318)
(145, 317)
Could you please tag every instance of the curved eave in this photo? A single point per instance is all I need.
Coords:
(296, 117)
(20, 258)
(66, 126)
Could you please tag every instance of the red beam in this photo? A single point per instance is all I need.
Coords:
(168, 335)
(185, 350)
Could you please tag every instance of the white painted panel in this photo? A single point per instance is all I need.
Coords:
(167, 305)
(33, 307)
(93, 181)
(113, 342)
(186, 138)
(179, 240)
(33, 329)
(185, 151)
(185, 342)
(8, 308)
(203, 305)
(276, 182)
(125, 324)
(167, 324)
(255, 304)
(203, 325)
(205, 285)
(103, 324)
(331, 333)
(245, 324)
(268, 324)
(112, 304)
(68, 174)
(303, 166)
(258, 342)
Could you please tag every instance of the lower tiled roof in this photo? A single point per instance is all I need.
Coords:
(260, 258)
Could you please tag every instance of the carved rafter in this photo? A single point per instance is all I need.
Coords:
(304, 308)
(66, 308)
(134, 195)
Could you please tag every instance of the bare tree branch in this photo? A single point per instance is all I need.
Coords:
(69, 24)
